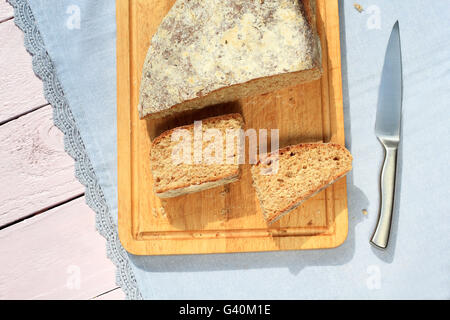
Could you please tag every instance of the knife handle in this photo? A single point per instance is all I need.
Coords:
(380, 237)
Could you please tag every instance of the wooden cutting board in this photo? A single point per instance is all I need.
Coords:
(228, 218)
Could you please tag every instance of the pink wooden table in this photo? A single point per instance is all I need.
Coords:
(49, 248)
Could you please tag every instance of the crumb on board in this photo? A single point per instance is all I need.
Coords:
(155, 214)
(163, 211)
(364, 211)
(358, 7)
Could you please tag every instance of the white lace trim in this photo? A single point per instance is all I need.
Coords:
(73, 144)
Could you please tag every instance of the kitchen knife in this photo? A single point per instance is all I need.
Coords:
(387, 130)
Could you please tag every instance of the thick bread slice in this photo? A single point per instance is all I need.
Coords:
(215, 51)
(303, 170)
(173, 177)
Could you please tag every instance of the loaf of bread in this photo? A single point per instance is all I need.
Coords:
(215, 51)
(190, 159)
(301, 172)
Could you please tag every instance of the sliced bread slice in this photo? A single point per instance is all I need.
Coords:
(193, 158)
(215, 51)
(301, 172)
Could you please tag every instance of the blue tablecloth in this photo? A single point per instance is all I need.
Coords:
(79, 37)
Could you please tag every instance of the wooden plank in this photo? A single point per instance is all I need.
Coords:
(55, 255)
(20, 90)
(196, 223)
(36, 172)
(6, 11)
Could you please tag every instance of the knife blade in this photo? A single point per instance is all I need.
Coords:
(387, 130)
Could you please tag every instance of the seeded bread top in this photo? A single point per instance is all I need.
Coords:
(202, 46)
